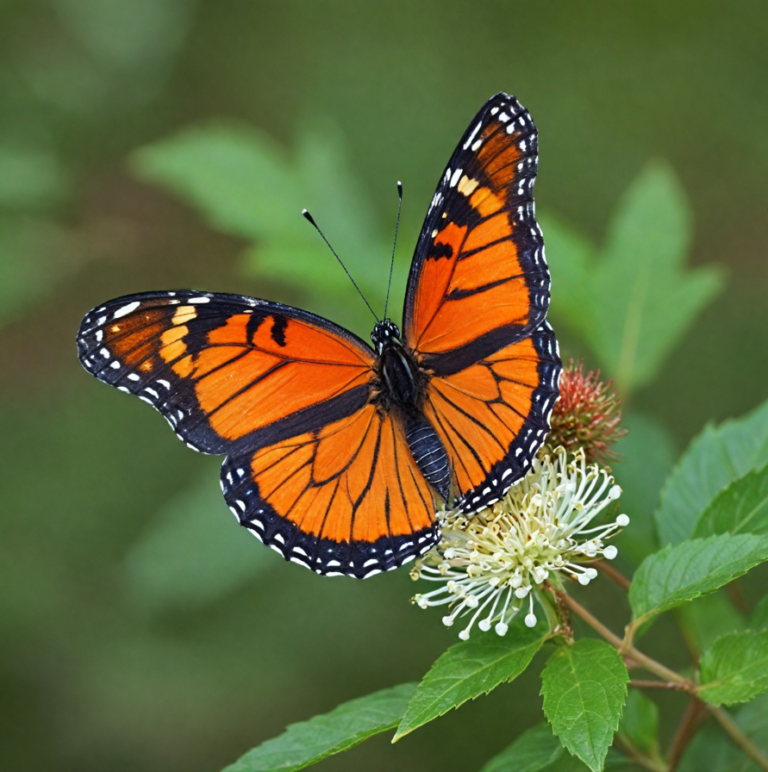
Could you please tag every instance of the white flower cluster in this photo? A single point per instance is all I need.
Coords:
(488, 562)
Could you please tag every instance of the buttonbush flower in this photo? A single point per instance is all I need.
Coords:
(490, 564)
(587, 415)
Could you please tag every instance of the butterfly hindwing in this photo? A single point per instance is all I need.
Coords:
(347, 498)
(477, 298)
(493, 415)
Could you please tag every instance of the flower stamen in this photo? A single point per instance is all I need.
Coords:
(499, 556)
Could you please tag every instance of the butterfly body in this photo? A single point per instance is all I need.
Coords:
(401, 389)
(339, 453)
(401, 382)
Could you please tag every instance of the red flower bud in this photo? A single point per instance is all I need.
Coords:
(587, 415)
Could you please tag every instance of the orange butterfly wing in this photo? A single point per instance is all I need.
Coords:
(227, 371)
(313, 469)
(347, 498)
(493, 415)
(477, 298)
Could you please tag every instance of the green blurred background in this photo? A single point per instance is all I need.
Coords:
(140, 628)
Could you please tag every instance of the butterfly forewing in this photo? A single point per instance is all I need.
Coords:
(479, 278)
(228, 372)
(477, 297)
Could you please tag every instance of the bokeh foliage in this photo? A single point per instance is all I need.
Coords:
(133, 638)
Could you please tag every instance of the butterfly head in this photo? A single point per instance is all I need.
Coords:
(384, 333)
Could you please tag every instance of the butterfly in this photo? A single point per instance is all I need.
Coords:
(338, 453)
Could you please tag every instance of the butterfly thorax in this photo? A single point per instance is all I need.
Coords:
(401, 380)
(400, 388)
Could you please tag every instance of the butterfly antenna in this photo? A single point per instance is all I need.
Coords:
(394, 246)
(308, 216)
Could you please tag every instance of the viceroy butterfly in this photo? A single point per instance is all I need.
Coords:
(337, 454)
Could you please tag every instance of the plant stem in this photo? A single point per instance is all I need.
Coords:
(638, 757)
(546, 601)
(613, 574)
(737, 735)
(685, 731)
(724, 719)
(735, 594)
(630, 651)
(639, 684)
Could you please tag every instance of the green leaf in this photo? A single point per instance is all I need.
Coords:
(759, 620)
(742, 507)
(344, 727)
(192, 552)
(647, 455)
(640, 722)
(635, 300)
(468, 670)
(684, 572)
(245, 184)
(584, 688)
(534, 751)
(735, 668)
(717, 457)
(644, 299)
(236, 176)
(538, 750)
(708, 619)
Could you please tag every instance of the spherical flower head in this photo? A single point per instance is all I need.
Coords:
(587, 415)
(490, 564)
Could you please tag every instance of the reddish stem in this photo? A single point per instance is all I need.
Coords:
(613, 574)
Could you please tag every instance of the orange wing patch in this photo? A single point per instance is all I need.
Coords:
(305, 363)
(347, 498)
(485, 412)
(479, 265)
(223, 368)
(435, 278)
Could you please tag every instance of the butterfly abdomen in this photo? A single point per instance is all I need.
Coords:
(429, 453)
(403, 387)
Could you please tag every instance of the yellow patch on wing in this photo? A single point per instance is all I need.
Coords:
(467, 186)
(485, 201)
(184, 314)
(172, 347)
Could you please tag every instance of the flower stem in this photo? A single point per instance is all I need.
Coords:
(629, 651)
(737, 735)
(638, 757)
(724, 719)
(638, 684)
(685, 731)
(553, 618)
(613, 574)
